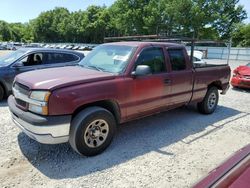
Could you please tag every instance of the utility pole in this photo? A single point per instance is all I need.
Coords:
(192, 48)
(229, 49)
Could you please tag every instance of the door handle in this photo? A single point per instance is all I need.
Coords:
(167, 81)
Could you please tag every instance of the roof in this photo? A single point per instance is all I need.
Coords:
(49, 49)
(141, 44)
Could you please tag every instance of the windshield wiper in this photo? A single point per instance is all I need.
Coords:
(95, 67)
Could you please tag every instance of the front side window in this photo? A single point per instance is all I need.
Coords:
(154, 58)
(32, 59)
(177, 59)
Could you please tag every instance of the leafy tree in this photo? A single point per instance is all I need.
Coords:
(228, 15)
(50, 25)
(5, 31)
(241, 36)
(201, 19)
(97, 17)
(129, 17)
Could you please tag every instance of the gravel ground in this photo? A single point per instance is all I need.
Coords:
(171, 149)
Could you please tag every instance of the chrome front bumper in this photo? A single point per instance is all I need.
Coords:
(46, 130)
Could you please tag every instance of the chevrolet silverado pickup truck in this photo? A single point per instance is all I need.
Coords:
(115, 83)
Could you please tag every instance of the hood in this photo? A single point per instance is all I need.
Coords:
(244, 70)
(53, 78)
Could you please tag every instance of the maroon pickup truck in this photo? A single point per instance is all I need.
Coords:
(115, 83)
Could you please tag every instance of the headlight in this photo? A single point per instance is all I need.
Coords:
(40, 95)
(39, 102)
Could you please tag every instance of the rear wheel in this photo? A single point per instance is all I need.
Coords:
(1, 93)
(210, 101)
(92, 131)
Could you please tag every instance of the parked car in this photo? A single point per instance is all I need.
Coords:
(13, 46)
(115, 83)
(3, 47)
(58, 46)
(241, 77)
(33, 45)
(69, 47)
(28, 59)
(63, 46)
(52, 46)
(197, 57)
(83, 48)
(234, 172)
(47, 46)
(76, 47)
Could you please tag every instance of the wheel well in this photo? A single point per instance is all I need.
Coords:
(109, 105)
(217, 84)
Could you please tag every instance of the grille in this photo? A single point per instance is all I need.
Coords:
(246, 76)
(23, 90)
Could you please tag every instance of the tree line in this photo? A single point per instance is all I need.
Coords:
(202, 19)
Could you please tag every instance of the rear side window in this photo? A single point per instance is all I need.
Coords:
(70, 57)
(60, 58)
(177, 59)
(154, 58)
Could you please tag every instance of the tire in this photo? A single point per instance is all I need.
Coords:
(210, 101)
(92, 131)
(1, 93)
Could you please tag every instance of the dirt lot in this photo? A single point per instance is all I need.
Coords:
(171, 149)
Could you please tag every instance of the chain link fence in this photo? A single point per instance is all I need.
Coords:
(242, 54)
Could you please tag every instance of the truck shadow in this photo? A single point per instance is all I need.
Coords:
(133, 139)
(3, 103)
(241, 89)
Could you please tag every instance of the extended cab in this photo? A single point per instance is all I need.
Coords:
(115, 83)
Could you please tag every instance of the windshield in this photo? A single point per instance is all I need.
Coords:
(108, 58)
(11, 57)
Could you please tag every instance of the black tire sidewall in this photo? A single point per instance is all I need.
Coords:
(215, 91)
(203, 106)
(79, 125)
(1, 93)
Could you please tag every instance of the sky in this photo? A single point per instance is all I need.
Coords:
(24, 10)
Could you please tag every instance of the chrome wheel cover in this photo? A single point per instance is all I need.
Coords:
(212, 100)
(96, 133)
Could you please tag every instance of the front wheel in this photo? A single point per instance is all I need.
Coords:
(210, 101)
(92, 131)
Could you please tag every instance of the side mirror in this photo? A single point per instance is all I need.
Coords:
(18, 64)
(142, 70)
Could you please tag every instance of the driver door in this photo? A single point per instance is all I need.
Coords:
(149, 92)
(28, 63)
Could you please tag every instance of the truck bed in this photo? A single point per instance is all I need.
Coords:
(204, 65)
